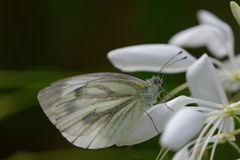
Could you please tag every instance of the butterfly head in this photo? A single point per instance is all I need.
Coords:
(153, 89)
(158, 82)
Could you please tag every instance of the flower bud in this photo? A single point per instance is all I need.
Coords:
(183, 126)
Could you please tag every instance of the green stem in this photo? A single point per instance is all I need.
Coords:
(174, 92)
(162, 153)
(159, 154)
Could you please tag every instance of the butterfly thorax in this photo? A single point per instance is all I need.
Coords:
(152, 90)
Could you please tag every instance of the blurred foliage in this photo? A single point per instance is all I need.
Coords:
(106, 154)
(19, 89)
(45, 40)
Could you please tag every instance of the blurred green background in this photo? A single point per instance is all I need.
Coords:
(45, 40)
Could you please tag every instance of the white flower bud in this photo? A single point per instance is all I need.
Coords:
(184, 125)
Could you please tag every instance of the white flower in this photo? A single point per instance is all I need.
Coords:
(149, 57)
(229, 73)
(182, 122)
(218, 37)
(212, 102)
(212, 33)
(204, 83)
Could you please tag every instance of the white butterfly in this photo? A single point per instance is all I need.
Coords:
(97, 110)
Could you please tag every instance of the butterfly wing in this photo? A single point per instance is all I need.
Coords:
(94, 110)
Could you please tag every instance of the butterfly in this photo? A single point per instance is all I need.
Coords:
(97, 110)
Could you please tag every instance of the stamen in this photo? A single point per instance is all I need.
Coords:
(235, 75)
(218, 113)
(235, 146)
(209, 136)
(216, 142)
(236, 105)
(231, 111)
(200, 137)
(224, 137)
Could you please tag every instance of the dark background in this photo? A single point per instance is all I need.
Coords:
(44, 40)
(75, 34)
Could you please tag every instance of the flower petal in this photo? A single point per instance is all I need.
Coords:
(204, 83)
(226, 36)
(160, 114)
(232, 66)
(203, 36)
(227, 74)
(235, 11)
(197, 36)
(206, 17)
(149, 57)
(180, 129)
(183, 154)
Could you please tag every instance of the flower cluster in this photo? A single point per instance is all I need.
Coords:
(211, 115)
(217, 36)
(214, 115)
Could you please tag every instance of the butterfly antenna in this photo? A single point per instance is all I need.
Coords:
(154, 125)
(163, 67)
(169, 64)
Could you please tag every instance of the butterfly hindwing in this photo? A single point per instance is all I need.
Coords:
(94, 110)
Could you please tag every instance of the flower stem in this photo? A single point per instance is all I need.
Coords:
(216, 142)
(159, 154)
(235, 146)
(162, 153)
(174, 92)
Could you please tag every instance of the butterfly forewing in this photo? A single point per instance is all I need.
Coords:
(94, 110)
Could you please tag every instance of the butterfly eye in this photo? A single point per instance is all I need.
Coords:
(157, 81)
